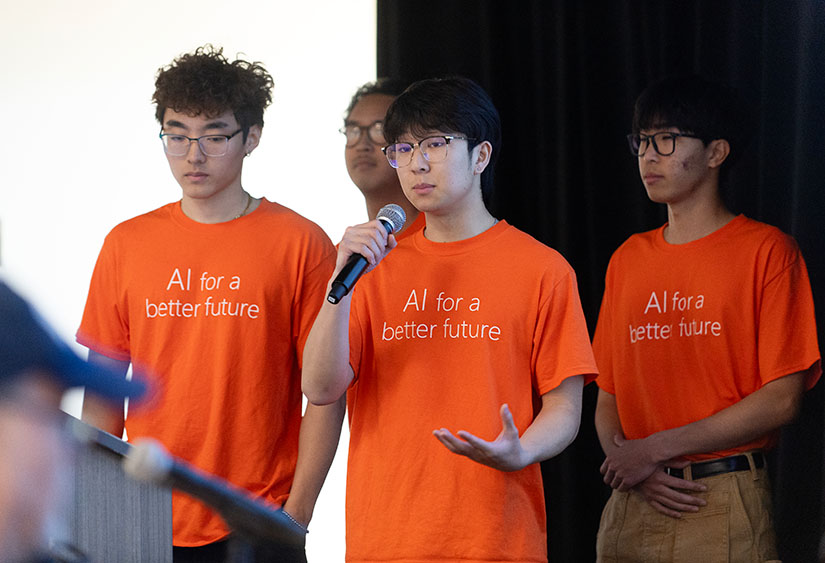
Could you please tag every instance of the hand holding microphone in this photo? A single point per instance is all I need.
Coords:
(392, 218)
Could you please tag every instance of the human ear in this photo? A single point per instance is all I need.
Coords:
(253, 137)
(482, 153)
(719, 149)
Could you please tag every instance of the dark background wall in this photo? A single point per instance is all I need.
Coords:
(564, 75)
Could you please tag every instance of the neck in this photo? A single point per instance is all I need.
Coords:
(219, 208)
(692, 220)
(454, 227)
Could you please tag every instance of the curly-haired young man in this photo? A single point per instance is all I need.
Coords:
(212, 297)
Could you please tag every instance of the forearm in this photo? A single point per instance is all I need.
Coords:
(556, 424)
(607, 420)
(99, 413)
(758, 414)
(326, 372)
(320, 433)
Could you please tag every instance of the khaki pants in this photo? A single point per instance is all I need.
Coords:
(735, 526)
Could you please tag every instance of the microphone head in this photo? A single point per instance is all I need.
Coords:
(148, 461)
(393, 215)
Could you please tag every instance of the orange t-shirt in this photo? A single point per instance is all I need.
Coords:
(688, 330)
(417, 225)
(441, 335)
(215, 316)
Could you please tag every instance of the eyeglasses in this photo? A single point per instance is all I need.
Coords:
(353, 132)
(210, 145)
(664, 142)
(433, 149)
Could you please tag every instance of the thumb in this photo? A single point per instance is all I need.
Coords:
(619, 440)
(507, 422)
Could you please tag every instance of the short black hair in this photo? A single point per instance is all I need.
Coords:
(695, 105)
(206, 82)
(453, 104)
(386, 86)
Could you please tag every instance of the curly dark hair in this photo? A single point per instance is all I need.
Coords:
(206, 82)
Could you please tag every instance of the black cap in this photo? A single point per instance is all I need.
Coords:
(27, 342)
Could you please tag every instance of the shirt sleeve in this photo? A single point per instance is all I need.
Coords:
(787, 327)
(562, 344)
(104, 327)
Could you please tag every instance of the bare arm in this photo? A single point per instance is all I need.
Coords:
(761, 412)
(553, 429)
(320, 433)
(326, 370)
(663, 492)
(100, 413)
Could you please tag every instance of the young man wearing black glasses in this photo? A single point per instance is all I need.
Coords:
(705, 343)
(212, 298)
(468, 325)
(366, 164)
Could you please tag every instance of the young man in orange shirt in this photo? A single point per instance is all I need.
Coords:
(705, 343)
(366, 164)
(212, 298)
(468, 325)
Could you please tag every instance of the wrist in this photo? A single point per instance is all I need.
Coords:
(657, 446)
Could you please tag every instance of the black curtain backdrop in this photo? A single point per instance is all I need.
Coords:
(564, 75)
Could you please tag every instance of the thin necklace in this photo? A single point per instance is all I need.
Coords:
(245, 209)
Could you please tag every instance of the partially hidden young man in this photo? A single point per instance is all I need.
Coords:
(705, 343)
(212, 298)
(366, 164)
(466, 349)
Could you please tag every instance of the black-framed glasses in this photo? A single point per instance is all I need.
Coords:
(664, 142)
(353, 132)
(176, 144)
(434, 149)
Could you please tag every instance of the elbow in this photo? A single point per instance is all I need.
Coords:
(788, 409)
(320, 396)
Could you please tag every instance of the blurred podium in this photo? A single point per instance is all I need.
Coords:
(113, 517)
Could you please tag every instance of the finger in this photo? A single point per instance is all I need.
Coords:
(473, 440)
(673, 498)
(680, 506)
(619, 440)
(452, 443)
(507, 418)
(664, 510)
(676, 483)
(604, 468)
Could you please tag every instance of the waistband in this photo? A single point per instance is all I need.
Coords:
(719, 466)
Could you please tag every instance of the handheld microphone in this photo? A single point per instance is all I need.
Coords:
(254, 519)
(392, 217)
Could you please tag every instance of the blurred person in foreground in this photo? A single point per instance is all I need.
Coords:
(36, 368)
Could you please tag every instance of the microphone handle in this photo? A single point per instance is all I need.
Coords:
(347, 277)
(351, 272)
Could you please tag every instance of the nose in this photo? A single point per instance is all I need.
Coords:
(196, 155)
(650, 153)
(419, 162)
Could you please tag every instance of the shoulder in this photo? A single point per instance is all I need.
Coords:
(767, 243)
(143, 223)
(532, 258)
(285, 218)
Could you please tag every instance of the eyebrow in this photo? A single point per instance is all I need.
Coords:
(210, 125)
